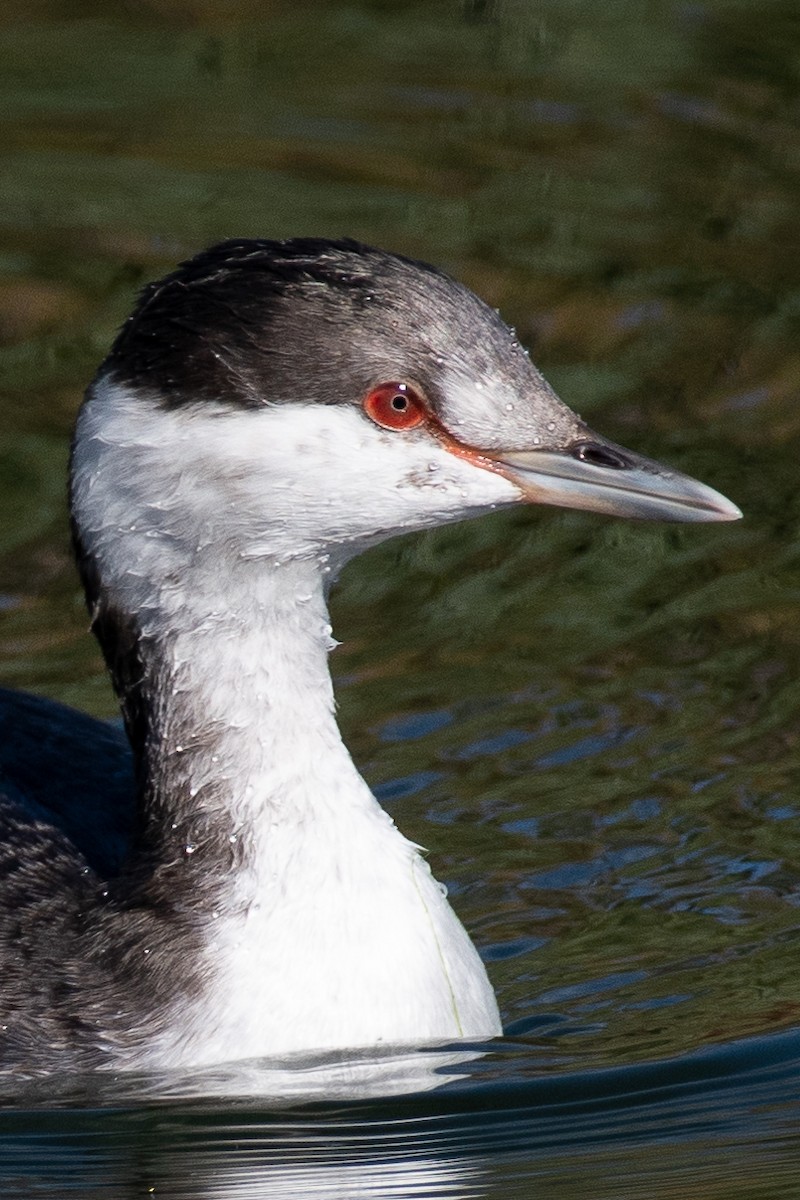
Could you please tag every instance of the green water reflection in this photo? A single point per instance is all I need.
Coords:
(607, 717)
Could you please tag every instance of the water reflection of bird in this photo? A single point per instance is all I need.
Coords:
(268, 411)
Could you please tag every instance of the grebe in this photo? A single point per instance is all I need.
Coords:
(225, 885)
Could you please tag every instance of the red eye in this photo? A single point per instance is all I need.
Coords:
(395, 406)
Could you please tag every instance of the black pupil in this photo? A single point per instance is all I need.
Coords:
(399, 402)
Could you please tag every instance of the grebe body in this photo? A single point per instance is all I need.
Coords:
(223, 884)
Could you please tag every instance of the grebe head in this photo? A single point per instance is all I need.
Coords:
(305, 399)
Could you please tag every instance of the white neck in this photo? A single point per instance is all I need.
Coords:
(324, 927)
(249, 735)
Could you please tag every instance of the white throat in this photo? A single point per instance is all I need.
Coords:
(330, 930)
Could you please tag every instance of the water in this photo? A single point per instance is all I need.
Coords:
(593, 726)
(720, 1122)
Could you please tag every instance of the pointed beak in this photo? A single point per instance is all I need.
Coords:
(598, 476)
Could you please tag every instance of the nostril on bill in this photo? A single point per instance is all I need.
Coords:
(598, 455)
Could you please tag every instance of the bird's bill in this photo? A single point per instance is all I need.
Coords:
(598, 476)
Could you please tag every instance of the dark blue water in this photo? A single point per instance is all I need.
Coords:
(720, 1122)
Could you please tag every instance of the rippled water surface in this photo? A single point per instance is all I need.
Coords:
(593, 726)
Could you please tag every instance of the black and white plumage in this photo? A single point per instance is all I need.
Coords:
(224, 885)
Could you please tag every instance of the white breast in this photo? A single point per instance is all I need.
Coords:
(338, 936)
